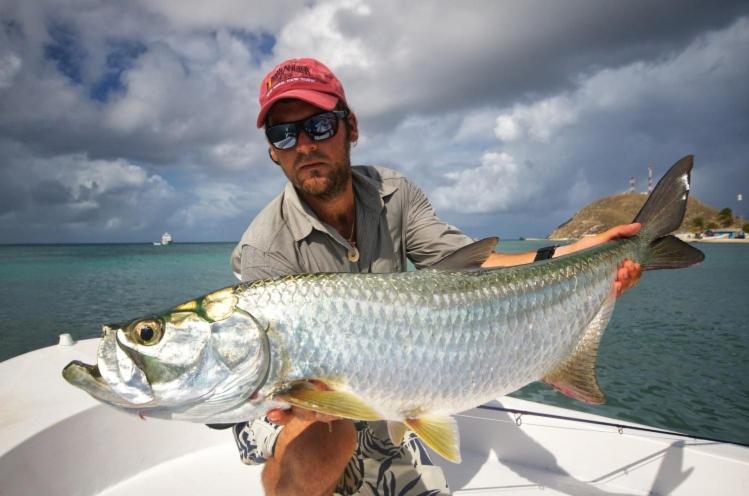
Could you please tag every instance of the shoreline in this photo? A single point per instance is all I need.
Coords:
(690, 238)
(719, 240)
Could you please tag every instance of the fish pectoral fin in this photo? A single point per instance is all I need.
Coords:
(397, 431)
(330, 402)
(576, 376)
(439, 433)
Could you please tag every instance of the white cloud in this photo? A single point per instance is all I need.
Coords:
(496, 99)
(507, 128)
(75, 192)
(539, 122)
(10, 65)
(315, 32)
(495, 185)
(217, 201)
(476, 125)
(187, 100)
(198, 14)
(678, 79)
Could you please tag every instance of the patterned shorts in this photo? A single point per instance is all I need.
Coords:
(377, 468)
(380, 468)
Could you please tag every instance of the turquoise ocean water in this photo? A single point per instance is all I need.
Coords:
(675, 356)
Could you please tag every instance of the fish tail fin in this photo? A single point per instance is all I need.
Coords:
(663, 213)
(669, 252)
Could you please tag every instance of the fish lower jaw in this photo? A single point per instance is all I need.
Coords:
(87, 377)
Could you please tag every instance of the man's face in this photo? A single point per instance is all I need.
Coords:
(317, 168)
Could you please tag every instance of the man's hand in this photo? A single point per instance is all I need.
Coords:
(311, 452)
(629, 272)
(284, 417)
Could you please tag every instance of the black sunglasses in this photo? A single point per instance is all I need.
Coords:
(319, 127)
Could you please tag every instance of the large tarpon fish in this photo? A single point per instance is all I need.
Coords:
(412, 348)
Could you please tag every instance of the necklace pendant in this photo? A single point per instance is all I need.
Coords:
(352, 254)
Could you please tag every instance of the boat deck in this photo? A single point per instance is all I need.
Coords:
(56, 440)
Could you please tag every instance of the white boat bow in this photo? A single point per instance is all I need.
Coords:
(56, 440)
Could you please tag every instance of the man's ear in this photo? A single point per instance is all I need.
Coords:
(272, 155)
(353, 126)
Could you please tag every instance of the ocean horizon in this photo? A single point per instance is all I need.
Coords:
(673, 356)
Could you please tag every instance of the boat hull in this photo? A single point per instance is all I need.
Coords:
(83, 447)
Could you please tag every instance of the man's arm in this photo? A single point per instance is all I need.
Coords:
(627, 276)
(429, 238)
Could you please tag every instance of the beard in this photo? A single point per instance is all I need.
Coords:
(329, 182)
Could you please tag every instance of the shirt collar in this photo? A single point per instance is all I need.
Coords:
(370, 194)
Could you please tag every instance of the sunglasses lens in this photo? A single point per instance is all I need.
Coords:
(318, 127)
(321, 127)
(282, 136)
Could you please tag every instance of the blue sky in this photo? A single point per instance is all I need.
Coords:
(122, 120)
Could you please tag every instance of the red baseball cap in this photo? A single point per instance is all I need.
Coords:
(302, 79)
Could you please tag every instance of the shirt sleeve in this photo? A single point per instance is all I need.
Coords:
(429, 239)
(257, 264)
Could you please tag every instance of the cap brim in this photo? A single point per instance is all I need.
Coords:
(325, 101)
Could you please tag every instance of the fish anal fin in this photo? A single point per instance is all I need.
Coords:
(576, 376)
(397, 431)
(439, 433)
(339, 403)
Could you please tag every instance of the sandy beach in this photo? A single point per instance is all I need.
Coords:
(721, 240)
(690, 238)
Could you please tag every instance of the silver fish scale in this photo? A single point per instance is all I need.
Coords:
(428, 341)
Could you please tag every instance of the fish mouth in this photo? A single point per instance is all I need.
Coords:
(88, 378)
(115, 378)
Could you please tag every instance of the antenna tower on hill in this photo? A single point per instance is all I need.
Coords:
(650, 179)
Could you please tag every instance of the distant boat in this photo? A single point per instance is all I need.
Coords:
(166, 239)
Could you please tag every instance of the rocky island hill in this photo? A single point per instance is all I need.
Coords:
(621, 209)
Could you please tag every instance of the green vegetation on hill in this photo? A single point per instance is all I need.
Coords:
(621, 209)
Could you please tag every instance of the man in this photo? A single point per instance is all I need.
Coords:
(333, 217)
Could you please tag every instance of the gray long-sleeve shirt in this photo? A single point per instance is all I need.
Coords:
(394, 223)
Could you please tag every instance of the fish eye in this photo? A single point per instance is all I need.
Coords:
(147, 332)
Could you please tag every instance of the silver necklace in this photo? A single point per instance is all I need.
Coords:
(353, 253)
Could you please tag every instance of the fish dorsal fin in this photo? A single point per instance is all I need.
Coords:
(338, 403)
(576, 376)
(468, 257)
(396, 431)
(439, 433)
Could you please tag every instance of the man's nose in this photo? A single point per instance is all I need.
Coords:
(304, 144)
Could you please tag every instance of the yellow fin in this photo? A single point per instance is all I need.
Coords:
(576, 376)
(439, 433)
(338, 403)
(397, 431)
